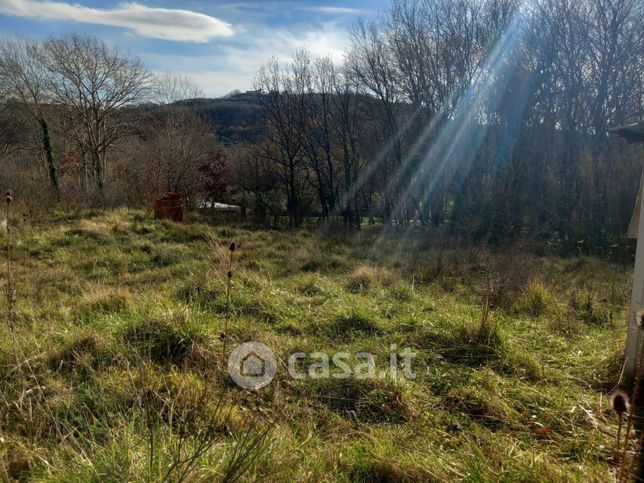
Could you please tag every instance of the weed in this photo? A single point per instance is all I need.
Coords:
(619, 401)
(229, 279)
(184, 419)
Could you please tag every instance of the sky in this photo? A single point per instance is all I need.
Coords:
(219, 44)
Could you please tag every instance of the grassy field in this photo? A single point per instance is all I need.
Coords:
(114, 368)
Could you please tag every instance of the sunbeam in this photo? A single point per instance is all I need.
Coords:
(457, 142)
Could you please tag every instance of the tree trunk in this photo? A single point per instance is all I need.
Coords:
(49, 157)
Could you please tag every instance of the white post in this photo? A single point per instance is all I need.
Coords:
(634, 334)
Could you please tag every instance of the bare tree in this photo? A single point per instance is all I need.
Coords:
(370, 63)
(319, 144)
(179, 142)
(12, 129)
(284, 104)
(171, 89)
(24, 77)
(92, 81)
(491, 112)
(347, 127)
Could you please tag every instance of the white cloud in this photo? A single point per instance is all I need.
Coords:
(151, 22)
(229, 67)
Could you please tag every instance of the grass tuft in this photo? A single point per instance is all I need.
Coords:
(198, 293)
(365, 279)
(82, 354)
(354, 324)
(108, 300)
(174, 342)
(535, 299)
(585, 307)
(366, 400)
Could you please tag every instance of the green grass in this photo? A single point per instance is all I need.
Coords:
(119, 317)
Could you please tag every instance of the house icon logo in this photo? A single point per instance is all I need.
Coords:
(252, 365)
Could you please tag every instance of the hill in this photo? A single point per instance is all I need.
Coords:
(237, 118)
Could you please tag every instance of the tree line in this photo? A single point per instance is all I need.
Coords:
(483, 118)
(83, 122)
(488, 117)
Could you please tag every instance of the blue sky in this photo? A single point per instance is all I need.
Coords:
(219, 44)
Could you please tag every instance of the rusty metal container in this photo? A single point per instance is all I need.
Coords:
(170, 207)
